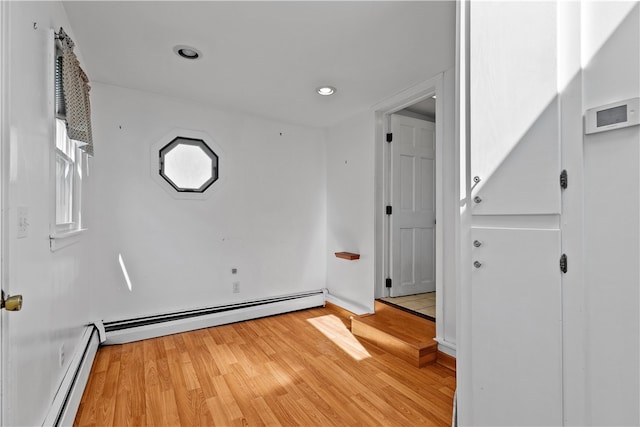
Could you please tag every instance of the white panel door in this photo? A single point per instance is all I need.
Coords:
(413, 220)
(515, 147)
(516, 344)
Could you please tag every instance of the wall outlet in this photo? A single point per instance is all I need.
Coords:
(236, 287)
(61, 355)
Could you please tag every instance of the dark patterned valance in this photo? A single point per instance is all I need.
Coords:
(75, 89)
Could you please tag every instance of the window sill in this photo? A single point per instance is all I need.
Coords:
(63, 239)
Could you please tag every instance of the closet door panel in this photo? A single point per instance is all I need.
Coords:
(515, 147)
(516, 350)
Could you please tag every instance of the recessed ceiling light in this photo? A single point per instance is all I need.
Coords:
(187, 52)
(434, 97)
(326, 90)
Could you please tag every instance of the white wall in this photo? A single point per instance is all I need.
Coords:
(350, 211)
(266, 217)
(352, 203)
(611, 56)
(55, 285)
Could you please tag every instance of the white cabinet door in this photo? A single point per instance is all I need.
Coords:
(515, 147)
(413, 194)
(516, 349)
(515, 344)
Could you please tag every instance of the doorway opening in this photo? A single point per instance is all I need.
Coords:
(409, 222)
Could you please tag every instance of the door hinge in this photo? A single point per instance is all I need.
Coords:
(388, 282)
(389, 137)
(389, 210)
(564, 179)
(563, 263)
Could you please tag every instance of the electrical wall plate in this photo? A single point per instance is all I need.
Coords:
(612, 116)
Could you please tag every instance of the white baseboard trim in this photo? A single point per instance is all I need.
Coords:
(65, 404)
(347, 305)
(229, 314)
(446, 347)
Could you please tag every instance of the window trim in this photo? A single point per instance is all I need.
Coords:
(202, 144)
(61, 230)
(76, 187)
(179, 133)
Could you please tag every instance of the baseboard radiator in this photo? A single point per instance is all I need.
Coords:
(67, 400)
(141, 328)
(65, 405)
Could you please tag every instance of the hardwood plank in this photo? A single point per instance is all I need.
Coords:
(205, 369)
(407, 336)
(266, 414)
(418, 414)
(88, 406)
(105, 409)
(231, 408)
(126, 407)
(281, 411)
(308, 414)
(186, 415)
(434, 396)
(243, 395)
(384, 413)
(137, 376)
(446, 360)
(218, 412)
(301, 368)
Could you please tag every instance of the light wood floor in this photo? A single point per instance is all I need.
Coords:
(303, 368)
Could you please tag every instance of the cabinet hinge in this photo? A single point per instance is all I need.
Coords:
(389, 137)
(389, 210)
(388, 282)
(564, 179)
(563, 263)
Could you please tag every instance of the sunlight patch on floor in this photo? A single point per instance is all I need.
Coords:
(333, 328)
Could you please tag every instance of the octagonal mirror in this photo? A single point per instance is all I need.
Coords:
(189, 165)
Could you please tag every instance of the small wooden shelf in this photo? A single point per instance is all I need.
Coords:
(348, 255)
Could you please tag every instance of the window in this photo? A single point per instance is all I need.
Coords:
(68, 180)
(188, 165)
(68, 165)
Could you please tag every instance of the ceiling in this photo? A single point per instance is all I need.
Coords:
(266, 58)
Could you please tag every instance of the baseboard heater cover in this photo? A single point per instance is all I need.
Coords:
(140, 328)
(66, 402)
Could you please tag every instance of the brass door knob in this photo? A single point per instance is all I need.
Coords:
(11, 303)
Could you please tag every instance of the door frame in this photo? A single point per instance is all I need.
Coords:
(4, 142)
(383, 111)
